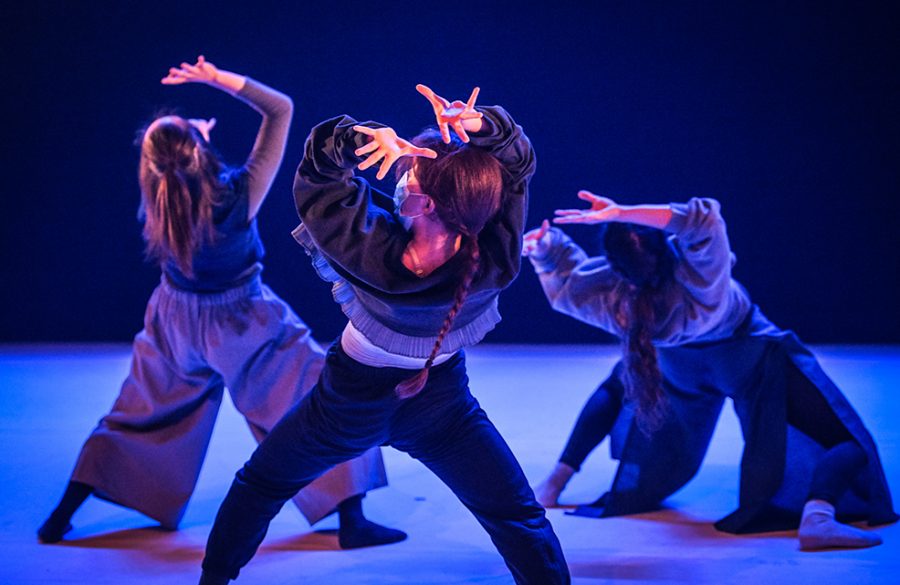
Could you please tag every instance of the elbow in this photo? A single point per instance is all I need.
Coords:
(287, 108)
(280, 108)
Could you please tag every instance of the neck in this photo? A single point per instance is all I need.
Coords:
(428, 233)
(432, 244)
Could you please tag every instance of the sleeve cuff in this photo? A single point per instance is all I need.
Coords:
(250, 86)
(492, 127)
(679, 218)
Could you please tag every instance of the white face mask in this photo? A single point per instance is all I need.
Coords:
(401, 194)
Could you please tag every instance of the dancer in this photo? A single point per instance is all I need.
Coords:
(691, 336)
(210, 324)
(418, 277)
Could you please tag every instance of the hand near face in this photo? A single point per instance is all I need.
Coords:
(386, 147)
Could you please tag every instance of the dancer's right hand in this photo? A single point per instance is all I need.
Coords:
(536, 242)
(602, 210)
(205, 72)
(387, 147)
(200, 72)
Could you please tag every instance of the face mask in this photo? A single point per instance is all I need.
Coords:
(401, 194)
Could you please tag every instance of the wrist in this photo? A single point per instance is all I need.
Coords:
(473, 125)
(228, 81)
(620, 213)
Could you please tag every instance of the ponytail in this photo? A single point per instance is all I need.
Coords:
(412, 386)
(169, 227)
(180, 185)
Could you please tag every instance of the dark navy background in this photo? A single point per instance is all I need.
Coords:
(785, 112)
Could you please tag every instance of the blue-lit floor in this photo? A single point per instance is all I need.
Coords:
(51, 397)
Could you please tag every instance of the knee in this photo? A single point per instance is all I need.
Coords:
(521, 509)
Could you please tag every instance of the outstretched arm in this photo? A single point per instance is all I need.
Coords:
(205, 72)
(699, 230)
(276, 108)
(604, 209)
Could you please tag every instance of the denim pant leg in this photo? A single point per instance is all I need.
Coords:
(326, 428)
(445, 429)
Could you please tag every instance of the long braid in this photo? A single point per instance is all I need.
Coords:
(643, 379)
(645, 261)
(412, 386)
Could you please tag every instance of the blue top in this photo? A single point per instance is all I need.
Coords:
(356, 241)
(234, 255)
(701, 303)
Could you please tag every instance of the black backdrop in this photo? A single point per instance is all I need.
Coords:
(786, 112)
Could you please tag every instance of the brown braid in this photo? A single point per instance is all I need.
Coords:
(643, 379)
(643, 258)
(412, 386)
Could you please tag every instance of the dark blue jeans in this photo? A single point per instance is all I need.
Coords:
(352, 408)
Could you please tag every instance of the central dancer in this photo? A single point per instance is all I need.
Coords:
(418, 277)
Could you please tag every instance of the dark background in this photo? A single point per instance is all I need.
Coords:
(785, 112)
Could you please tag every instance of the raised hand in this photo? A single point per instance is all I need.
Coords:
(537, 240)
(200, 72)
(603, 209)
(387, 147)
(451, 113)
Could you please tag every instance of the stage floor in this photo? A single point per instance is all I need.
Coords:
(52, 396)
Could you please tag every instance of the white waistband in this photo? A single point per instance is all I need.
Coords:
(357, 346)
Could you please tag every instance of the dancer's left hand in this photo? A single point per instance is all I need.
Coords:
(387, 147)
(602, 210)
(203, 126)
(453, 113)
(536, 242)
